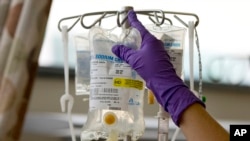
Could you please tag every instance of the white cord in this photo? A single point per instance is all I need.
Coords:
(66, 97)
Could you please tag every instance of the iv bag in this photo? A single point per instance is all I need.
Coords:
(173, 38)
(82, 67)
(116, 91)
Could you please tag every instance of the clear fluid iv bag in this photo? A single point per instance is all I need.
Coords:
(116, 91)
(173, 38)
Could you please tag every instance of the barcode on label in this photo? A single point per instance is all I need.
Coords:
(110, 90)
(104, 90)
(104, 98)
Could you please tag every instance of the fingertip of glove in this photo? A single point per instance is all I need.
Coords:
(132, 16)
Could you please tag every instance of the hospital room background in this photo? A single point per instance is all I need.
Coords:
(223, 32)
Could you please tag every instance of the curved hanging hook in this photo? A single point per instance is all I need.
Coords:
(119, 24)
(186, 14)
(103, 14)
(166, 19)
(157, 22)
(68, 18)
(94, 23)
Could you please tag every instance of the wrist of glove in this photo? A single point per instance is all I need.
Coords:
(174, 96)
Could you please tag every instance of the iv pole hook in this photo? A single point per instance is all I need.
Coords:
(157, 22)
(68, 18)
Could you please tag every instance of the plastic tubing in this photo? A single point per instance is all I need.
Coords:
(163, 124)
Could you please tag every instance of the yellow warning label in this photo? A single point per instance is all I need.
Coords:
(128, 83)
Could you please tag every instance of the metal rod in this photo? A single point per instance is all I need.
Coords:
(106, 14)
(125, 24)
(103, 14)
(185, 14)
(68, 18)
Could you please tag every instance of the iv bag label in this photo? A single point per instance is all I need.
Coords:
(105, 96)
(98, 67)
(109, 90)
(103, 93)
(128, 83)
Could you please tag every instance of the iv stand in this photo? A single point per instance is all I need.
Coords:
(157, 20)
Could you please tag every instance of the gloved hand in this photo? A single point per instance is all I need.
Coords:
(153, 64)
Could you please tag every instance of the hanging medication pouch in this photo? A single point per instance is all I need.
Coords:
(173, 38)
(82, 67)
(116, 90)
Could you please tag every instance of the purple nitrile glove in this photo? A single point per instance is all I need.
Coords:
(153, 64)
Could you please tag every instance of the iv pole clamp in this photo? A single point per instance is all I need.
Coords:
(157, 14)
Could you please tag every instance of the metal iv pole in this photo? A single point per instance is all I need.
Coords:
(158, 17)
